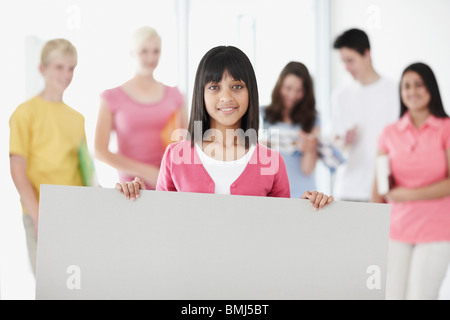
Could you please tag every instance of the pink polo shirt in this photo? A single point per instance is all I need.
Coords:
(181, 170)
(138, 126)
(418, 159)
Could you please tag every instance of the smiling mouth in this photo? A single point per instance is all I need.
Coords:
(226, 109)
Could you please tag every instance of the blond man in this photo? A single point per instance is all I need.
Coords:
(45, 137)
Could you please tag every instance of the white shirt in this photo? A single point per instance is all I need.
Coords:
(224, 173)
(370, 108)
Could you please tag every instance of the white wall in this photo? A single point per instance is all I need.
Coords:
(401, 32)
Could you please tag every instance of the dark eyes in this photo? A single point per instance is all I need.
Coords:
(415, 85)
(217, 87)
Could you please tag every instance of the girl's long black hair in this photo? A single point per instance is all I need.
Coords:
(211, 68)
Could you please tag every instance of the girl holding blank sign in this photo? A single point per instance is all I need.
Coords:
(221, 154)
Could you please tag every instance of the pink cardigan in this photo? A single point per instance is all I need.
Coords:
(181, 170)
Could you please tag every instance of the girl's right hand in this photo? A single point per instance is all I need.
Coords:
(131, 189)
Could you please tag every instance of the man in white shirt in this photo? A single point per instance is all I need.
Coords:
(359, 112)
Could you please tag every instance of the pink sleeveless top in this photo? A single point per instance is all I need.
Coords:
(138, 126)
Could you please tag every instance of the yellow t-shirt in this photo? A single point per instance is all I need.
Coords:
(48, 135)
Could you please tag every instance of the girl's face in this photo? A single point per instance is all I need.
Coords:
(58, 73)
(291, 91)
(226, 101)
(414, 93)
(147, 56)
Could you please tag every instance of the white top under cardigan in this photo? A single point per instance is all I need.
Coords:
(224, 173)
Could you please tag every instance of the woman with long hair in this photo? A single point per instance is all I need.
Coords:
(292, 112)
(418, 147)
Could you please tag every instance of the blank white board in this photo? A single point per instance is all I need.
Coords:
(95, 244)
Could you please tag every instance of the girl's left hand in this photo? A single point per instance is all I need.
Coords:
(131, 189)
(318, 199)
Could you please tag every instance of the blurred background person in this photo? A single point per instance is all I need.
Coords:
(418, 147)
(359, 112)
(143, 112)
(46, 137)
(292, 112)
